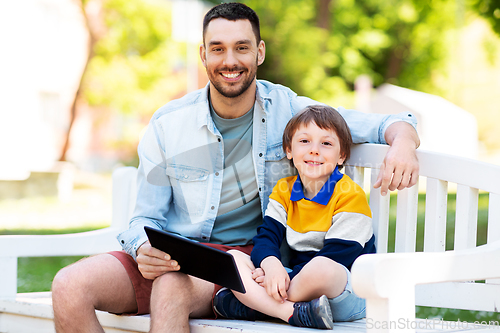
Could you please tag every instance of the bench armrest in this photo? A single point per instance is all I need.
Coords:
(388, 281)
(84, 243)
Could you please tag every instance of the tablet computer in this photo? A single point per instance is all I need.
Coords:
(197, 259)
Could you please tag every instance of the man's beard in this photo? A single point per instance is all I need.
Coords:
(227, 91)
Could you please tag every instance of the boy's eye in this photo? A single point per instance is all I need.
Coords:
(303, 141)
(327, 143)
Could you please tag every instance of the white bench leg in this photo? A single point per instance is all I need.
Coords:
(394, 314)
(8, 277)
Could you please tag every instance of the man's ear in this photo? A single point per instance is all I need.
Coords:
(203, 55)
(261, 53)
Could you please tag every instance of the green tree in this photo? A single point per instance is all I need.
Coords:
(490, 10)
(132, 62)
(320, 47)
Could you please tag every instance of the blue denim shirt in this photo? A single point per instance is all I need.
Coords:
(181, 159)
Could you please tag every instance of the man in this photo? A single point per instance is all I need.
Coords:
(208, 163)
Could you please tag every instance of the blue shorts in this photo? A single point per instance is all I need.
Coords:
(346, 306)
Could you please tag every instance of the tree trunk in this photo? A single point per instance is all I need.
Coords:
(91, 13)
(395, 62)
(323, 15)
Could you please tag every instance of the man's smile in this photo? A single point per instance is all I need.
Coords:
(231, 75)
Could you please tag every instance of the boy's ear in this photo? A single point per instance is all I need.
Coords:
(341, 160)
(288, 154)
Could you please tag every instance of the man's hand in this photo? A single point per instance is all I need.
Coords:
(276, 279)
(153, 262)
(400, 167)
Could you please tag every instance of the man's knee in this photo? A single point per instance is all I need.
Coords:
(67, 282)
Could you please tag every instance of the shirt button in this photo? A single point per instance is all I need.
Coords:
(216, 173)
(212, 208)
(263, 120)
(260, 154)
(218, 139)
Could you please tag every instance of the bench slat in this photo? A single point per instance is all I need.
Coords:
(436, 202)
(478, 296)
(357, 174)
(8, 269)
(406, 225)
(380, 212)
(466, 217)
(493, 224)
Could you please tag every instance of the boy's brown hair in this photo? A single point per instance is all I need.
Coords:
(325, 117)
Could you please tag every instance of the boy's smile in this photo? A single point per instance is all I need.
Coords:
(315, 153)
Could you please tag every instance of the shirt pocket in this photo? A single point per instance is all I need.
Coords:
(275, 152)
(189, 187)
(277, 166)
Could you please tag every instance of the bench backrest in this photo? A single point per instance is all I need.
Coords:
(441, 176)
(397, 225)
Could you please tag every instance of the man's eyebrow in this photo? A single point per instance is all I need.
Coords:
(243, 41)
(214, 42)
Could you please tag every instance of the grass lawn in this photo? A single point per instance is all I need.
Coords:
(36, 274)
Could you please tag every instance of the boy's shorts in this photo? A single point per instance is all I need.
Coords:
(346, 306)
(143, 286)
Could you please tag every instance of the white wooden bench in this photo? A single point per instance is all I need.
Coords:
(392, 283)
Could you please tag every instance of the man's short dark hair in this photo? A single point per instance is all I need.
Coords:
(325, 117)
(233, 11)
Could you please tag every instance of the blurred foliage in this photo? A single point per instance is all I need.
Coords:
(490, 10)
(321, 55)
(316, 47)
(134, 65)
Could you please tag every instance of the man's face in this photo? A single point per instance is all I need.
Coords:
(231, 55)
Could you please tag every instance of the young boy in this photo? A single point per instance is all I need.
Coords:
(326, 221)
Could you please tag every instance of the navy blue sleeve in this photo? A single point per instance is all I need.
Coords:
(268, 240)
(345, 252)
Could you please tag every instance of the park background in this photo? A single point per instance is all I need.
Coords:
(79, 81)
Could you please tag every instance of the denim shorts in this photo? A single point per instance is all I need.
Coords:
(346, 306)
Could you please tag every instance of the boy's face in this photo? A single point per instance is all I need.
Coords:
(315, 152)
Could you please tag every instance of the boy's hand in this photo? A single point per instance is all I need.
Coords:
(153, 262)
(276, 279)
(258, 276)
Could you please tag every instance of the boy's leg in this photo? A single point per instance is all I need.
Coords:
(320, 276)
(348, 306)
(256, 296)
(315, 313)
(345, 304)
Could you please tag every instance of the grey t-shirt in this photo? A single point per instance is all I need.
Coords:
(239, 209)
